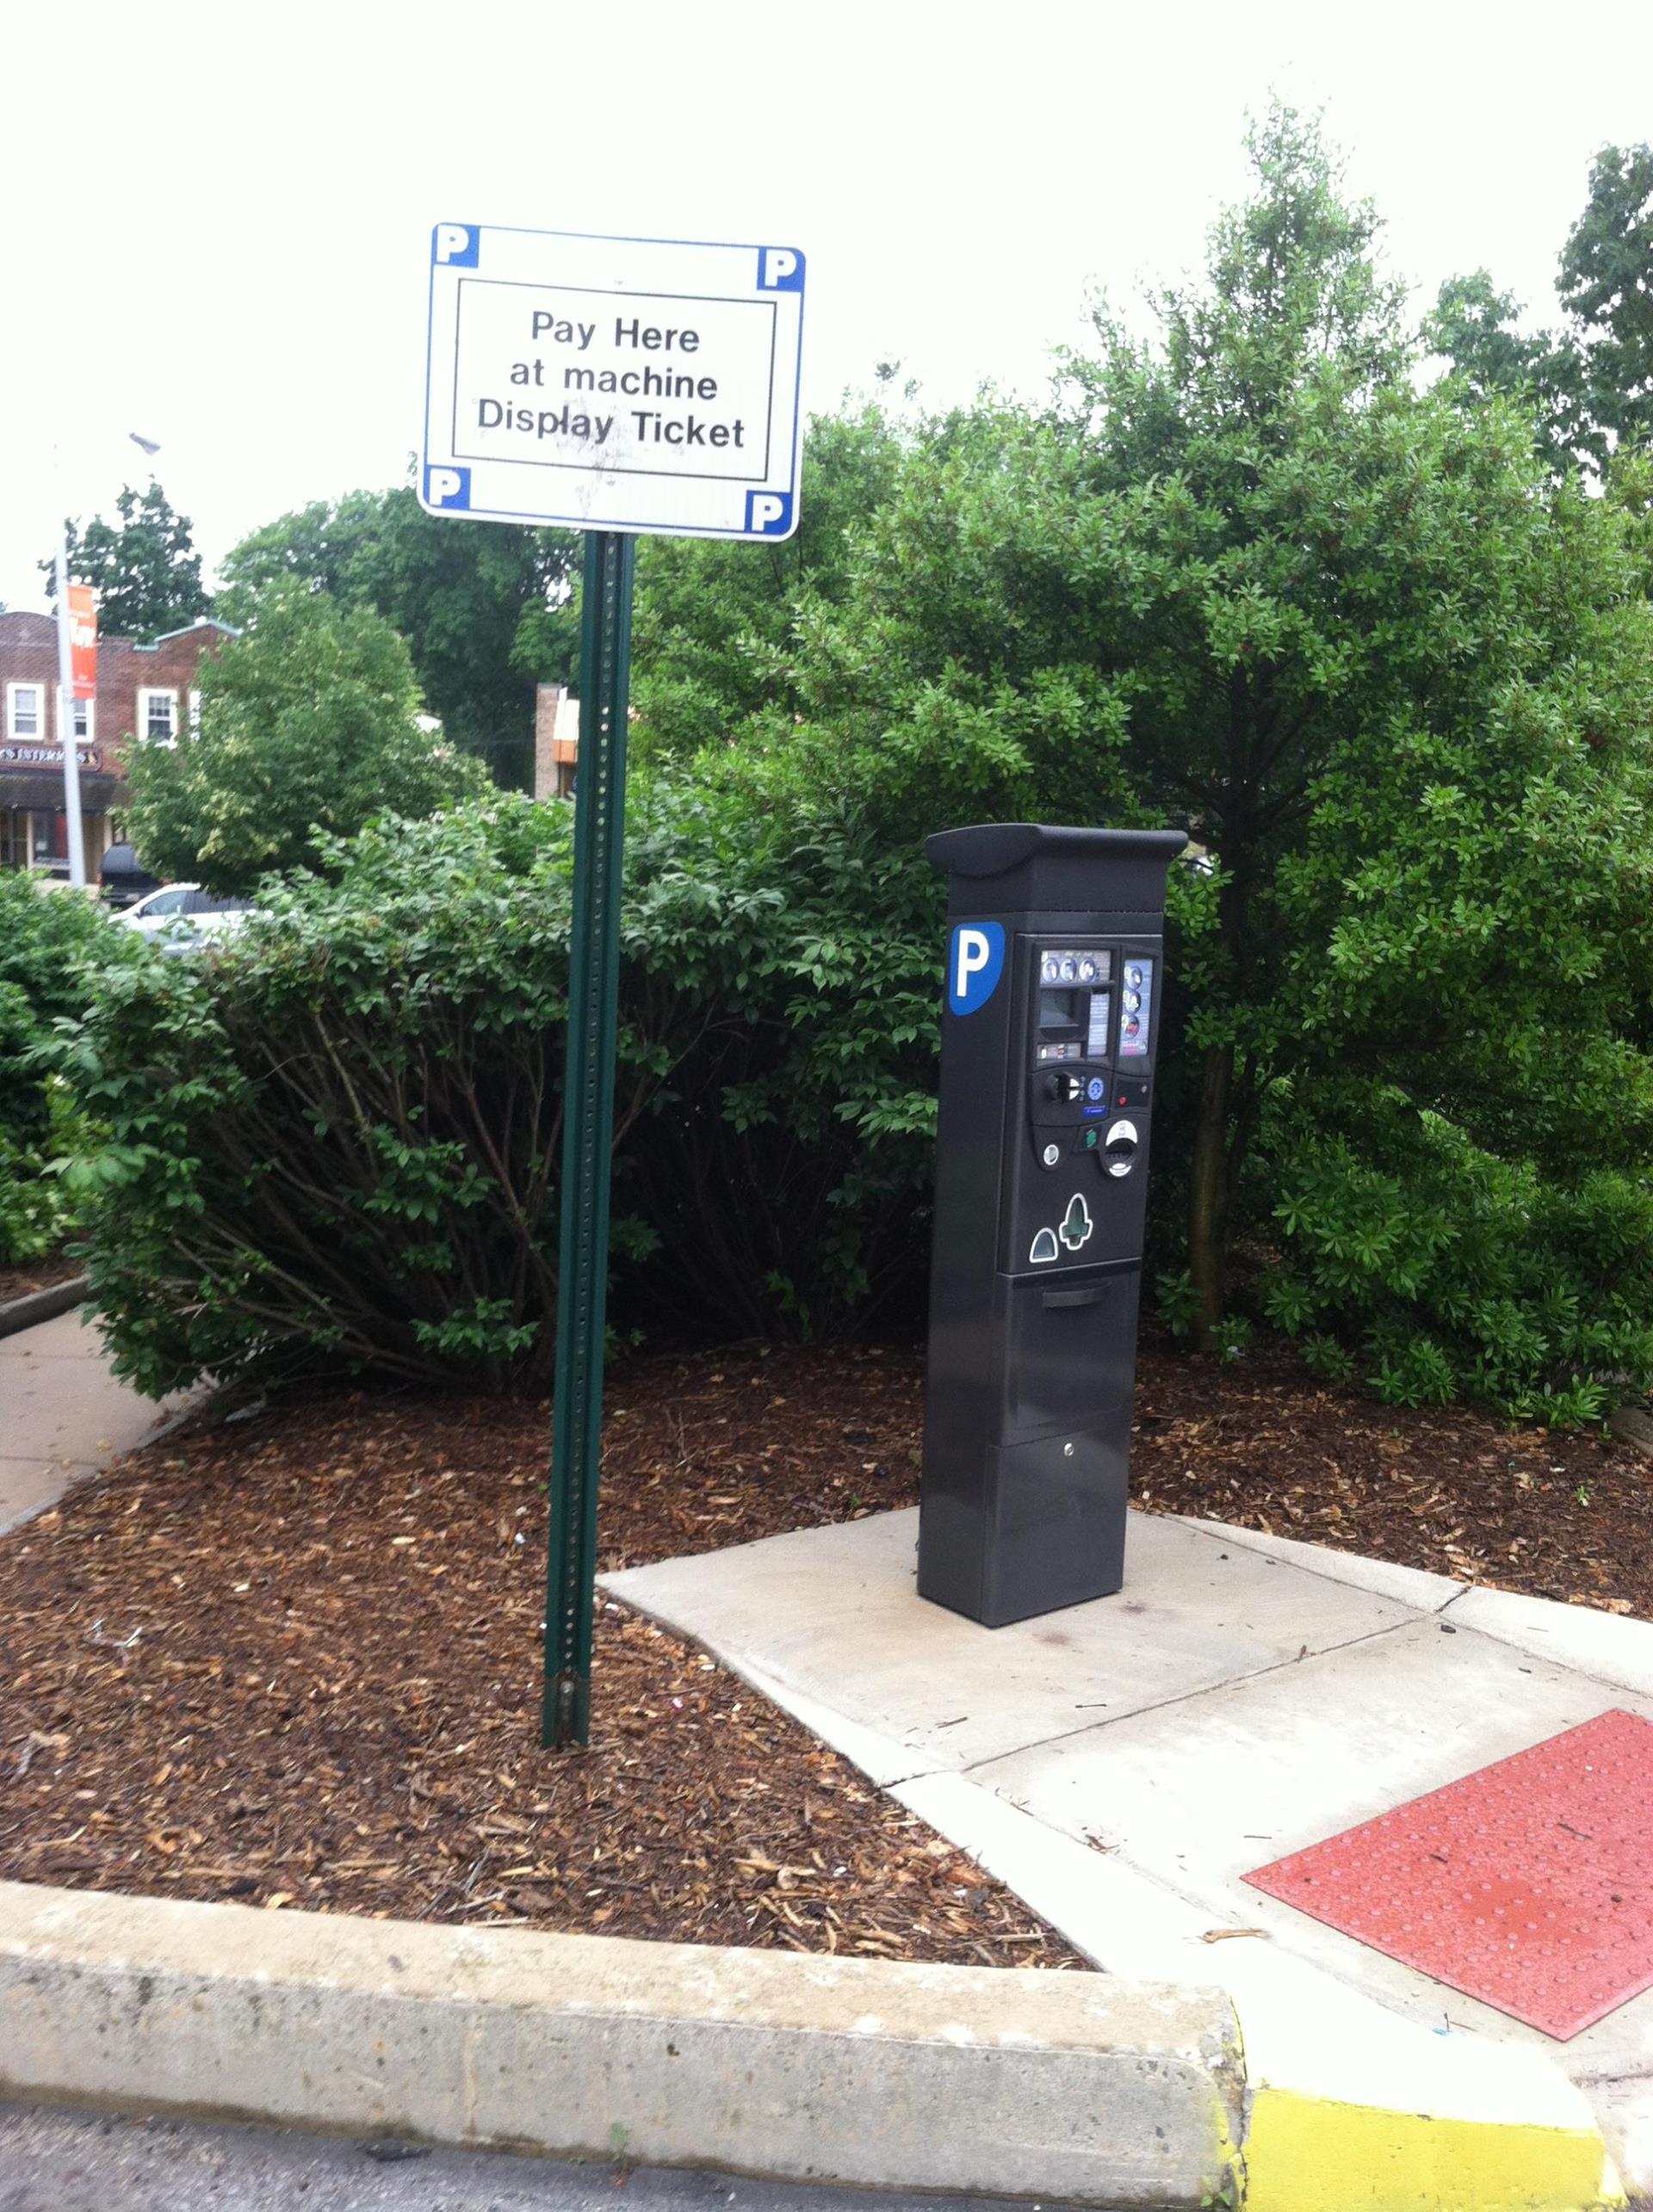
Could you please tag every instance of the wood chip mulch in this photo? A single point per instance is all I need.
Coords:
(34, 1275)
(294, 1660)
(1566, 1515)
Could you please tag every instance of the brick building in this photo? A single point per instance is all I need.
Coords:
(144, 692)
(556, 741)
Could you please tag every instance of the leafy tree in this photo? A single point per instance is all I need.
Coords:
(712, 620)
(309, 725)
(1606, 286)
(1590, 385)
(144, 569)
(484, 607)
(1474, 326)
(1248, 576)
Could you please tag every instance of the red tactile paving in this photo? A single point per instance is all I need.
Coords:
(1528, 1885)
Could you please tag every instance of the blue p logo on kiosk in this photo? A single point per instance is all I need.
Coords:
(975, 960)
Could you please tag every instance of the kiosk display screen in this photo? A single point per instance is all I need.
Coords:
(1061, 1036)
(1073, 1021)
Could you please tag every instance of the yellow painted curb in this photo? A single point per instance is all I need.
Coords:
(1307, 2153)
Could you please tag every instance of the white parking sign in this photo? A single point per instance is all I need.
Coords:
(613, 384)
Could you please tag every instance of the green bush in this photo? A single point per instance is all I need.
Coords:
(1431, 1270)
(52, 944)
(35, 1214)
(338, 1141)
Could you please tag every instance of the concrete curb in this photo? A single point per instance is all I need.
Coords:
(42, 1304)
(1008, 2083)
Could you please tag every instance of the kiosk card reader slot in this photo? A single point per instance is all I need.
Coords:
(1054, 955)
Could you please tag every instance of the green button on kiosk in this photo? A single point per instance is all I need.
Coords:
(1054, 981)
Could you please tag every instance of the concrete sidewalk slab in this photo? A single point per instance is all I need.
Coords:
(1590, 1638)
(1412, 1586)
(1292, 1759)
(834, 1614)
(63, 1415)
(1599, 1644)
(1242, 1696)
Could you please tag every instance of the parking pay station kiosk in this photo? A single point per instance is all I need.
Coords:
(1055, 979)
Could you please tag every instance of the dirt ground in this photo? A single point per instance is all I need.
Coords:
(293, 1658)
(36, 1275)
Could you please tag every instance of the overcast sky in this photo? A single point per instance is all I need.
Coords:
(217, 236)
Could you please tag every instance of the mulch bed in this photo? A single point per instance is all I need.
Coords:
(293, 1658)
(37, 1275)
(1261, 1444)
(294, 1661)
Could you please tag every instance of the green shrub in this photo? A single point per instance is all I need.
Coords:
(1431, 1270)
(337, 1141)
(35, 1209)
(52, 945)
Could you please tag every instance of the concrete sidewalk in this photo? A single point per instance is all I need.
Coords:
(1122, 1764)
(63, 1415)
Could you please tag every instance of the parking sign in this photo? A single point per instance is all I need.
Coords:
(640, 385)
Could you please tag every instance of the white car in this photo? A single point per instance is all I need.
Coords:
(181, 914)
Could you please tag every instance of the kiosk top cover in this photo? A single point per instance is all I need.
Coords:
(1037, 867)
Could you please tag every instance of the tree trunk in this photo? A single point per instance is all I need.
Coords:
(1208, 1194)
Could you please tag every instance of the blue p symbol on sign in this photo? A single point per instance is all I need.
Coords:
(769, 514)
(976, 960)
(453, 245)
(448, 487)
(780, 268)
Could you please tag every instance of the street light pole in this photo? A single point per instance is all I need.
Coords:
(66, 685)
(66, 719)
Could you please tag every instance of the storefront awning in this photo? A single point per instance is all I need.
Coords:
(99, 795)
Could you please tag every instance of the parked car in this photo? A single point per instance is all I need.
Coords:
(124, 877)
(180, 914)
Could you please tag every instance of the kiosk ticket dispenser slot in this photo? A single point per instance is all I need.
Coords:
(1055, 960)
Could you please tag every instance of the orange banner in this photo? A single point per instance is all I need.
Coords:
(83, 640)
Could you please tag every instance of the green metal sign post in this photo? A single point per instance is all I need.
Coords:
(539, 343)
(588, 1133)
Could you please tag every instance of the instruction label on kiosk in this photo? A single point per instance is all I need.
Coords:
(613, 384)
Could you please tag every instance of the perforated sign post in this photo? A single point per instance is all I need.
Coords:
(620, 386)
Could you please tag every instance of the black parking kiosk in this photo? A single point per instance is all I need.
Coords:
(1054, 980)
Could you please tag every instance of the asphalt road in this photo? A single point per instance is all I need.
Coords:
(60, 2161)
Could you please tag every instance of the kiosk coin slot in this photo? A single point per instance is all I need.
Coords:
(1047, 1065)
